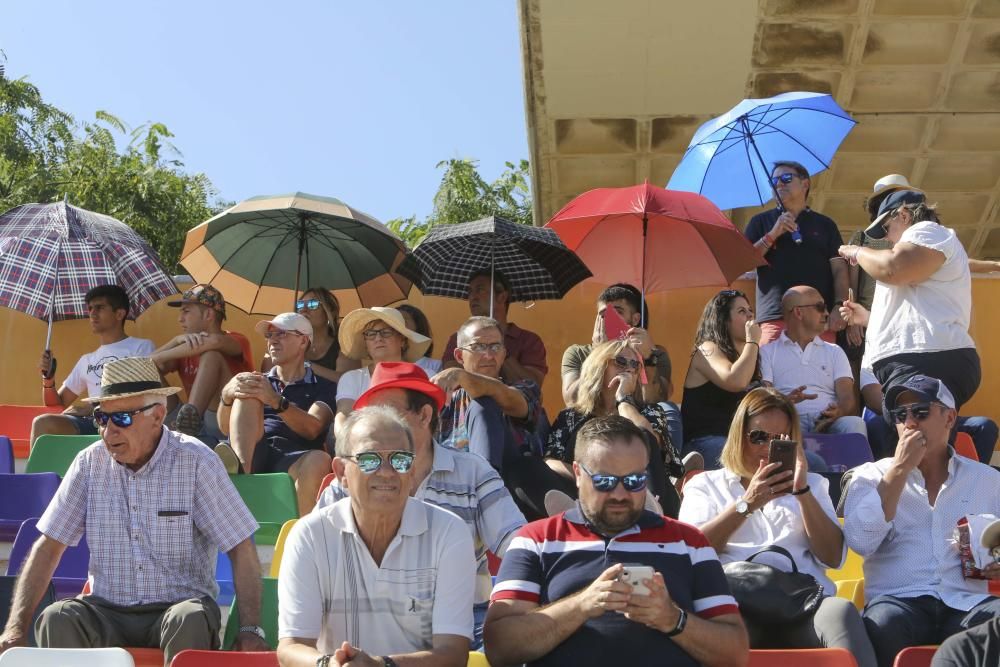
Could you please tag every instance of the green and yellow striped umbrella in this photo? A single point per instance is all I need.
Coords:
(263, 252)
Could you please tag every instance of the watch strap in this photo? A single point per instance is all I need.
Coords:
(254, 630)
(388, 662)
(282, 405)
(681, 622)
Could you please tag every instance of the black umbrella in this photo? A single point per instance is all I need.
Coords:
(534, 260)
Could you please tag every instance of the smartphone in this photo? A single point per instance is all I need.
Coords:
(783, 452)
(615, 326)
(633, 574)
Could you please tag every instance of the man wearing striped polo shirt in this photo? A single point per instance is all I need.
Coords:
(558, 599)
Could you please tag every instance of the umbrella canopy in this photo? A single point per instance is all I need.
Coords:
(264, 251)
(730, 157)
(52, 254)
(654, 238)
(532, 259)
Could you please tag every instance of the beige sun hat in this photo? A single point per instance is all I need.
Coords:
(352, 343)
(131, 376)
(883, 188)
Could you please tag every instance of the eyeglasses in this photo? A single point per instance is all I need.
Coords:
(784, 178)
(820, 307)
(369, 462)
(730, 293)
(121, 419)
(760, 436)
(633, 483)
(309, 304)
(482, 348)
(278, 334)
(625, 362)
(920, 412)
(384, 334)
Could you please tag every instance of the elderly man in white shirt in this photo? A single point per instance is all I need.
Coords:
(377, 576)
(900, 516)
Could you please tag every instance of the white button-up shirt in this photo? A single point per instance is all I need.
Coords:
(787, 366)
(779, 523)
(914, 554)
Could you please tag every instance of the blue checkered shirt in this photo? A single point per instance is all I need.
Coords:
(153, 533)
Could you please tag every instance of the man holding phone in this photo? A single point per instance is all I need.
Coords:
(556, 601)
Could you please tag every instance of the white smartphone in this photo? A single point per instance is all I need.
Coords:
(634, 574)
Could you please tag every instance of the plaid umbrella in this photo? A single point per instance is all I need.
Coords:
(52, 254)
(262, 252)
(533, 259)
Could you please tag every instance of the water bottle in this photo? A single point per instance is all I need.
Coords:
(796, 235)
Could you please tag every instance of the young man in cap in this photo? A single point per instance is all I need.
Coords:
(158, 507)
(107, 308)
(900, 515)
(278, 422)
(460, 482)
(205, 357)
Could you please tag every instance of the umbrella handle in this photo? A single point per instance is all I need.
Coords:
(52, 366)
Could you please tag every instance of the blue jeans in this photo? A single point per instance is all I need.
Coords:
(675, 429)
(478, 616)
(896, 623)
(709, 446)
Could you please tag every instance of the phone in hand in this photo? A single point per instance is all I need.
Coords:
(783, 452)
(634, 574)
(615, 326)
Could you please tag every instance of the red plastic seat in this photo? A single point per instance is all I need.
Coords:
(15, 423)
(325, 483)
(191, 658)
(965, 446)
(146, 657)
(915, 656)
(813, 657)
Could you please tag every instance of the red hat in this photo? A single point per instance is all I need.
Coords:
(400, 375)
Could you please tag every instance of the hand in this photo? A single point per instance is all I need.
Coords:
(638, 338)
(836, 321)
(850, 253)
(192, 340)
(449, 380)
(12, 637)
(656, 610)
(784, 225)
(854, 314)
(623, 384)
(798, 395)
(254, 385)
(753, 333)
(765, 486)
(800, 478)
(855, 335)
(910, 450)
(991, 571)
(604, 594)
(45, 364)
(248, 641)
(598, 336)
(831, 414)
(350, 655)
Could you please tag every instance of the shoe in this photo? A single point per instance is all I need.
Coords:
(188, 420)
(693, 461)
(229, 458)
(557, 502)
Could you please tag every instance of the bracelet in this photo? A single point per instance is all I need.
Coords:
(48, 386)
(323, 661)
(853, 261)
(752, 342)
(801, 492)
(228, 405)
(681, 622)
(629, 400)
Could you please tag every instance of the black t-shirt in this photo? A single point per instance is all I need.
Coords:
(791, 264)
(973, 648)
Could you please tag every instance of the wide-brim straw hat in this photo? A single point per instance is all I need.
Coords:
(352, 343)
(132, 376)
(884, 187)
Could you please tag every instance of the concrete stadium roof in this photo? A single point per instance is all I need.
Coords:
(615, 90)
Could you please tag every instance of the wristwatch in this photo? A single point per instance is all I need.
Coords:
(254, 630)
(681, 622)
(282, 405)
(388, 662)
(323, 661)
(627, 399)
(743, 508)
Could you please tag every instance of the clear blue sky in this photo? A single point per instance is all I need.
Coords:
(357, 100)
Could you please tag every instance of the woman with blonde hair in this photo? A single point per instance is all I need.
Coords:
(747, 505)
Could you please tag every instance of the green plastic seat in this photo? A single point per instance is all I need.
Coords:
(268, 615)
(271, 499)
(55, 453)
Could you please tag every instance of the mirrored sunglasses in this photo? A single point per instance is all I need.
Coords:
(369, 462)
(121, 419)
(309, 304)
(760, 436)
(633, 483)
(920, 412)
(784, 178)
(480, 348)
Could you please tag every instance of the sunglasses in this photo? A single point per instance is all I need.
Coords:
(633, 483)
(820, 307)
(731, 293)
(384, 334)
(278, 334)
(310, 304)
(121, 419)
(760, 436)
(625, 362)
(480, 348)
(920, 412)
(369, 462)
(784, 178)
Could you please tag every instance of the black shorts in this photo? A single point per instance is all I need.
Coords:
(277, 454)
(960, 370)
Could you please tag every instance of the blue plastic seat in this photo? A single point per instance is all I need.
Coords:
(224, 576)
(70, 574)
(23, 497)
(841, 451)
(6, 456)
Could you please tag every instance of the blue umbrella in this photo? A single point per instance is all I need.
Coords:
(729, 159)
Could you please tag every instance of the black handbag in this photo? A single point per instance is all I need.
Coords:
(769, 596)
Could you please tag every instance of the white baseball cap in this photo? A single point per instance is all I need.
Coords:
(287, 322)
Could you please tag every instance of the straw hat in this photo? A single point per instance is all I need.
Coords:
(352, 343)
(884, 187)
(132, 376)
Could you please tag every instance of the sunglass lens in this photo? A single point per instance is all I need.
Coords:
(299, 305)
(605, 483)
(634, 482)
(758, 437)
(401, 461)
(921, 412)
(121, 419)
(368, 462)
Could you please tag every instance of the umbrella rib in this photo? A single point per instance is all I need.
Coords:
(804, 147)
(260, 284)
(756, 185)
(704, 176)
(822, 111)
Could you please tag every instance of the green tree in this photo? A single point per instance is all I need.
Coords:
(464, 195)
(45, 155)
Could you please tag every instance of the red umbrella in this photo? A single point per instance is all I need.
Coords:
(658, 239)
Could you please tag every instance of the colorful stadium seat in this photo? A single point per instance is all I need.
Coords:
(279, 546)
(191, 658)
(20, 656)
(841, 451)
(15, 423)
(70, 574)
(268, 615)
(23, 497)
(965, 446)
(271, 499)
(915, 656)
(812, 657)
(55, 453)
(6, 456)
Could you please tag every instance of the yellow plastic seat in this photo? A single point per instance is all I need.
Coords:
(279, 546)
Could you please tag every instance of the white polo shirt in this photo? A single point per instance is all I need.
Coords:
(787, 366)
(330, 589)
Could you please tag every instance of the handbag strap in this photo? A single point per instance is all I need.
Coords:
(778, 550)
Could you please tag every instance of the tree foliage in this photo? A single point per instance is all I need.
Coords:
(46, 155)
(464, 195)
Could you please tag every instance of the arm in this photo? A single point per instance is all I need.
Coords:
(844, 390)
(903, 264)
(31, 585)
(717, 369)
(983, 266)
(186, 345)
(826, 539)
(569, 382)
(514, 371)
(841, 283)
(246, 581)
(446, 651)
(511, 401)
